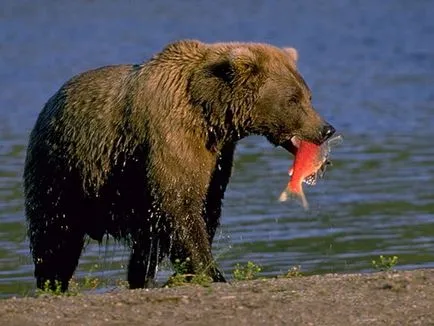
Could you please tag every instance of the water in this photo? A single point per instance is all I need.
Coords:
(370, 65)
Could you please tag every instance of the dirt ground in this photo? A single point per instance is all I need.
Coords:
(387, 298)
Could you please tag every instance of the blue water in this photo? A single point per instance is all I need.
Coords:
(370, 65)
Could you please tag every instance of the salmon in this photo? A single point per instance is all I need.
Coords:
(310, 162)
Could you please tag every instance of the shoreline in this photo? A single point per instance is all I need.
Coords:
(383, 298)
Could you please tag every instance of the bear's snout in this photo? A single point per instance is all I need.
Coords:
(327, 131)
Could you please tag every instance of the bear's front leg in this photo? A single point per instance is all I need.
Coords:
(180, 181)
(191, 247)
(144, 260)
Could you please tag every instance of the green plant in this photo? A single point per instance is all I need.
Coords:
(182, 277)
(246, 272)
(91, 282)
(385, 263)
(73, 287)
(294, 271)
(201, 279)
(181, 267)
(88, 283)
(175, 280)
(122, 284)
(55, 290)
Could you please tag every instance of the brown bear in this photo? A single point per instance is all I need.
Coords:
(144, 152)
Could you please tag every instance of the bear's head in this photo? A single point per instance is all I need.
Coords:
(254, 88)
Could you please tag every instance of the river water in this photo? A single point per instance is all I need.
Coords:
(370, 65)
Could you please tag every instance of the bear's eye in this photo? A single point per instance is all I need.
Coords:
(293, 100)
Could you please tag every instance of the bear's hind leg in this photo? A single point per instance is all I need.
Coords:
(56, 250)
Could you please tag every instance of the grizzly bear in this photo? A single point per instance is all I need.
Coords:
(144, 152)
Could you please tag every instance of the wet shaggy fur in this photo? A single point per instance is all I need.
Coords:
(144, 152)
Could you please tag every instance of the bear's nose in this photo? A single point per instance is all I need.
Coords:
(327, 131)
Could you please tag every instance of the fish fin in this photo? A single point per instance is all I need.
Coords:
(283, 196)
(303, 199)
(298, 196)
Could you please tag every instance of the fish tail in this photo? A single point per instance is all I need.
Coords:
(300, 196)
(303, 200)
(284, 195)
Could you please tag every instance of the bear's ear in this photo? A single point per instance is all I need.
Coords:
(244, 60)
(222, 69)
(293, 53)
(240, 62)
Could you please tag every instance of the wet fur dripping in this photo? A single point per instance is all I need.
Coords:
(144, 152)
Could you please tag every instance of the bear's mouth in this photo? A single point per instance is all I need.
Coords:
(291, 145)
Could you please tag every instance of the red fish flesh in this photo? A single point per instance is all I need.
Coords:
(310, 160)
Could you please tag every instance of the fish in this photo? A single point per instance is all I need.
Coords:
(310, 163)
